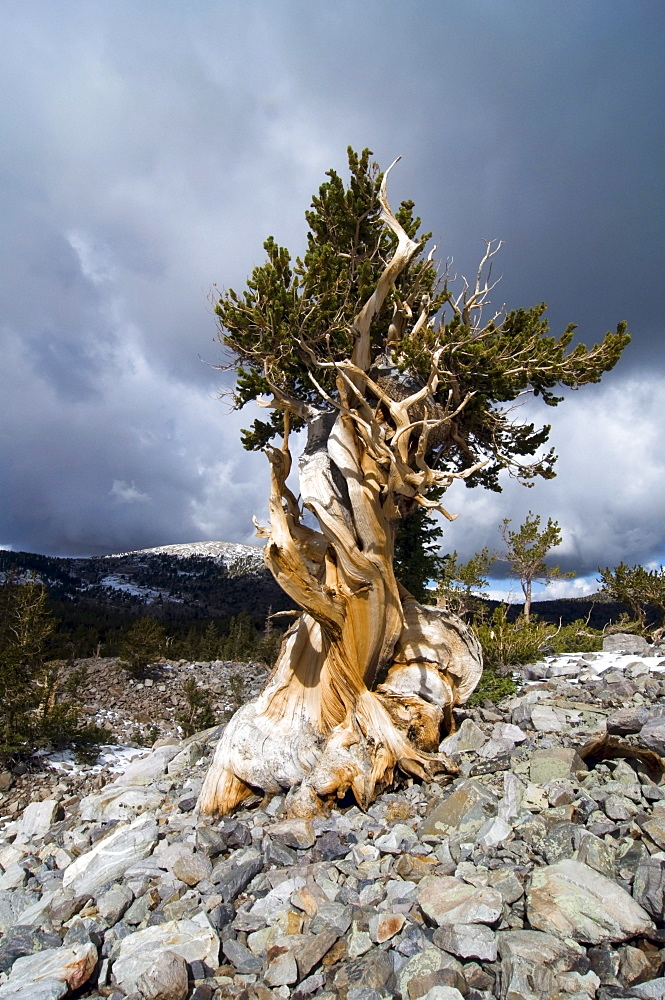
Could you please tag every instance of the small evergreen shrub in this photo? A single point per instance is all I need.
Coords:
(577, 637)
(197, 714)
(494, 686)
(506, 643)
(144, 643)
(37, 697)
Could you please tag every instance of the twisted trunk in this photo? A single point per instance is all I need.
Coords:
(318, 729)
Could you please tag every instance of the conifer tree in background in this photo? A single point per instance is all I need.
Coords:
(34, 711)
(144, 643)
(402, 386)
(459, 583)
(416, 560)
(25, 625)
(526, 550)
(642, 591)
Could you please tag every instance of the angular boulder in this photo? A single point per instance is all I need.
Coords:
(448, 900)
(111, 857)
(134, 956)
(463, 813)
(624, 642)
(571, 900)
(43, 971)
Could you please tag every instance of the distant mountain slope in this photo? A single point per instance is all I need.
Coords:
(174, 582)
(232, 554)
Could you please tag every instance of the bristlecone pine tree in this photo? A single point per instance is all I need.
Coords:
(400, 385)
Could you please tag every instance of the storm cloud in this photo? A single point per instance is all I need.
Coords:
(148, 150)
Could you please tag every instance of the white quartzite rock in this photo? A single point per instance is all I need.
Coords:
(70, 967)
(120, 803)
(37, 819)
(572, 900)
(134, 956)
(111, 857)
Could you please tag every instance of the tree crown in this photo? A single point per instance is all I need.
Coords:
(323, 332)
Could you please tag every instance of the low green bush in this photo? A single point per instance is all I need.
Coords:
(37, 696)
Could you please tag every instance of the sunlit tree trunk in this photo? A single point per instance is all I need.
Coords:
(319, 729)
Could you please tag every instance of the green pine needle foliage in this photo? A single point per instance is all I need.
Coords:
(294, 317)
(37, 695)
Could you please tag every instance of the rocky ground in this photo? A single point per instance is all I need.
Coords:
(538, 873)
(134, 713)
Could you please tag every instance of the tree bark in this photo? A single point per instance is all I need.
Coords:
(318, 730)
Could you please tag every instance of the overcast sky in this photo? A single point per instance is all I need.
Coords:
(146, 151)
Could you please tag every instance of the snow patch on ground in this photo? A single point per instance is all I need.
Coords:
(600, 662)
(111, 758)
(147, 594)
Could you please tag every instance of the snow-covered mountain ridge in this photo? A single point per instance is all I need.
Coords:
(229, 553)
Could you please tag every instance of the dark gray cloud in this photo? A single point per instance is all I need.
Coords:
(147, 152)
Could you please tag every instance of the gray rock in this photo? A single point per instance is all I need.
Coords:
(507, 884)
(447, 900)
(146, 770)
(649, 884)
(556, 762)
(462, 813)
(623, 642)
(192, 868)
(559, 842)
(24, 941)
(654, 827)
(373, 971)
(209, 841)
(36, 914)
(120, 803)
(429, 960)
(572, 900)
(443, 993)
(534, 963)
(296, 833)
(311, 949)
(546, 719)
(165, 979)
(45, 989)
(282, 970)
(400, 838)
(652, 734)
(12, 904)
(596, 854)
(15, 877)
(231, 879)
(183, 760)
(241, 957)
(467, 941)
(193, 940)
(493, 832)
(113, 903)
(111, 857)
(627, 720)
(654, 990)
(278, 854)
(510, 803)
(469, 736)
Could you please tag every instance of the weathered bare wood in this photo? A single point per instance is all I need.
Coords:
(318, 729)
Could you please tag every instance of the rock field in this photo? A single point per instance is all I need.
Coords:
(539, 872)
